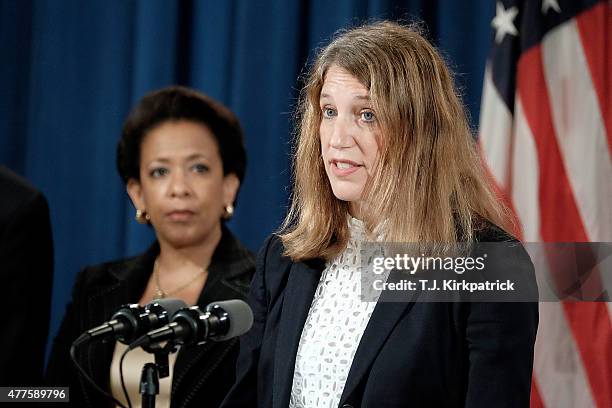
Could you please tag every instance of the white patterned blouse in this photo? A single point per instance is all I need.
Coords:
(333, 329)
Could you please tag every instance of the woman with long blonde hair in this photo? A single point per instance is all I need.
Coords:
(383, 152)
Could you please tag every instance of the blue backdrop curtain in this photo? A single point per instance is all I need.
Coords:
(71, 70)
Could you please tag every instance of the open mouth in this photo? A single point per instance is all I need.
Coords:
(344, 167)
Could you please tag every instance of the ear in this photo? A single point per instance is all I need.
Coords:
(230, 188)
(134, 190)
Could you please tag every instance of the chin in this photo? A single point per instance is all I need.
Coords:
(348, 194)
(181, 238)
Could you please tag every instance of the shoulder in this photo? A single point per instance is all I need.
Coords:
(97, 278)
(271, 267)
(271, 255)
(236, 250)
(18, 197)
(486, 231)
(491, 237)
(14, 185)
(272, 247)
(274, 267)
(507, 259)
(236, 260)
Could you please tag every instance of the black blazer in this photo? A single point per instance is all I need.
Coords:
(202, 374)
(26, 275)
(412, 354)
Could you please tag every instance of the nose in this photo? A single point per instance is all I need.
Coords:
(179, 185)
(342, 133)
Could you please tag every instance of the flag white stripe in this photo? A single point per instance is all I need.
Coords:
(557, 364)
(494, 135)
(526, 173)
(579, 128)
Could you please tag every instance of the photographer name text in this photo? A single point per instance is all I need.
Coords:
(447, 285)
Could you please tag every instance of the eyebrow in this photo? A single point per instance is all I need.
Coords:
(188, 158)
(362, 97)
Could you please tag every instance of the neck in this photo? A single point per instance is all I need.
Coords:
(355, 209)
(174, 259)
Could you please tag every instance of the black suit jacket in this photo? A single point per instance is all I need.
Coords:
(411, 354)
(26, 274)
(202, 374)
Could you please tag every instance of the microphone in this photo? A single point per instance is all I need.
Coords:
(220, 321)
(132, 321)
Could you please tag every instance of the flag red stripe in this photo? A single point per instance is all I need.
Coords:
(592, 330)
(536, 400)
(594, 26)
(560, 219)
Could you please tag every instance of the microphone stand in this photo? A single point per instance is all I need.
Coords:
(152, 372)
(149, 385)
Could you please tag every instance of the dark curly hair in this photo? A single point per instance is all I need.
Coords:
(179, 103)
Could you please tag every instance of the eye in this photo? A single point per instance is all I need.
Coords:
(200, 168)
(158, 172)
(328, 112)
(368, 116)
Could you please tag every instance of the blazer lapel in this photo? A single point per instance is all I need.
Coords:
(301, 286)
(385, 316)
(215, 289)
(100, 353)
(125, 284)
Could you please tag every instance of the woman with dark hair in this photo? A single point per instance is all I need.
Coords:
(182, 158)
(384, 153)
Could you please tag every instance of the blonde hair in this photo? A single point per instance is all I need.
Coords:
(430, 184)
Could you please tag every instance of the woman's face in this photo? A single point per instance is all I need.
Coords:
(182, 186)
(349, 135)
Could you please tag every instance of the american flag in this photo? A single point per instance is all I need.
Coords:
(546, 137)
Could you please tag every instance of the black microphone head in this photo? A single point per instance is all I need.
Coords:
(169, 305)
(239, 314)
(146, 318)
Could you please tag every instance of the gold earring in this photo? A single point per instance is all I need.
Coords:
(142, 217)
(229, 212)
